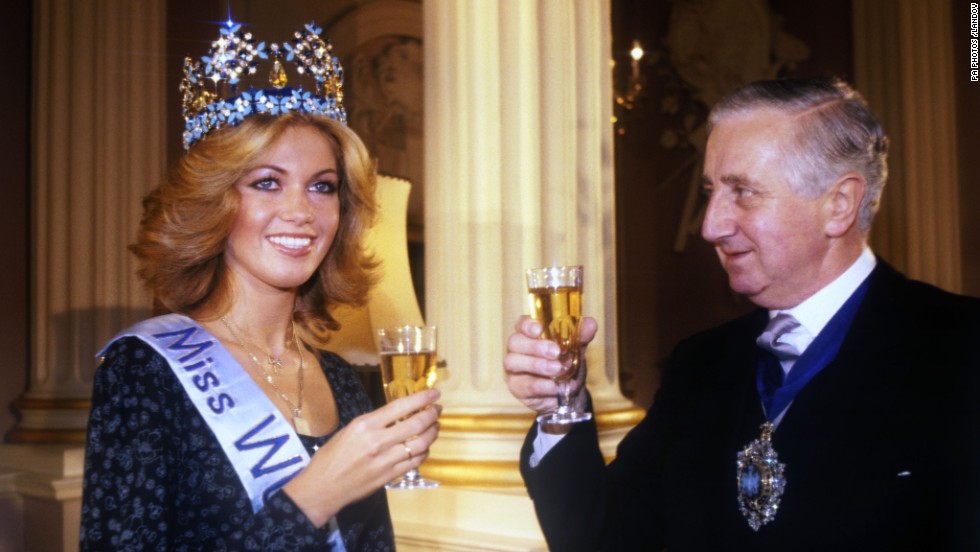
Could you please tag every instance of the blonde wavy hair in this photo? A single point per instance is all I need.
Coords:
(187, 220)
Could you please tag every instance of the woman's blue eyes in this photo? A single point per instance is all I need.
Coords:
(271, 184)
(323, 187)
(265, 184)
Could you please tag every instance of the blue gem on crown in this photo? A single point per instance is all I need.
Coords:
(235, 56)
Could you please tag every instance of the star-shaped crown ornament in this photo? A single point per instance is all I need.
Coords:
(211, 99)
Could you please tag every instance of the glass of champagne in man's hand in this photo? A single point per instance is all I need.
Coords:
(555, 296)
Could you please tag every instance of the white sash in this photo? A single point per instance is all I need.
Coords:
(258, 441)
(256, 438)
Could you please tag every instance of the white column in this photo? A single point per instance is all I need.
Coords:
(903, 64)
(98, 147)
(518, 173)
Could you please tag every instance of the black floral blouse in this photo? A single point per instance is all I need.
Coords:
(157, 479)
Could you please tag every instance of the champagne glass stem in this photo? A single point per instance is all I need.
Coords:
(564, 395)
(565, 413)
(412, 480)
(564, 384)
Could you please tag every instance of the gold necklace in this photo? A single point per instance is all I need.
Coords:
(300, 423)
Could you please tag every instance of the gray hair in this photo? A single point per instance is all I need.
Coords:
(836, 133)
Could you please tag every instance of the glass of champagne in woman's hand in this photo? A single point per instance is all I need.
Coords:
(408, 365)
(555, 295)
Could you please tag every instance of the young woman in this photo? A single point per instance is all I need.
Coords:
(226, 425)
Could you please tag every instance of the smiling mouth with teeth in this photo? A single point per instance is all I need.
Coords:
(290, 242)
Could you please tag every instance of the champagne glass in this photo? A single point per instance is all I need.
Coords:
(408, 365)
(555, 296)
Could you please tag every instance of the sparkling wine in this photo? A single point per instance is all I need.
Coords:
(408, 365)
(559, 311)
(407, 373)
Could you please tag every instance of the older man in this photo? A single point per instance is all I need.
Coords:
(841, 415)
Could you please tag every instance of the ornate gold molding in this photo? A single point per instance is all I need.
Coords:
(504, 473)
(28, 403)
(474, 473)
(520, 423)
(619, 418)
(31, 436)
(47, 435)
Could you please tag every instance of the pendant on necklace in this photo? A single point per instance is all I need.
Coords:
(300, 423)
(760, 480)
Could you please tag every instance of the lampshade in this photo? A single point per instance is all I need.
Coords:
(392, 301)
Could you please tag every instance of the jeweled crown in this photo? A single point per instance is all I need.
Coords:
(211, 99)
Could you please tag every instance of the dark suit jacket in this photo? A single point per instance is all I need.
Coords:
(880, 448)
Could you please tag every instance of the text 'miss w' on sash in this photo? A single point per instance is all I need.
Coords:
(258, 441)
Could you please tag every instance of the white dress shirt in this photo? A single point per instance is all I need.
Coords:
(816, 311)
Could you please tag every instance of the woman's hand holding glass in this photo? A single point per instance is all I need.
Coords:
(366, 454)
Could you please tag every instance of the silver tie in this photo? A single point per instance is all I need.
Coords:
(780, 325)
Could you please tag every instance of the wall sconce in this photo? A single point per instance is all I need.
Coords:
(628, 96)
